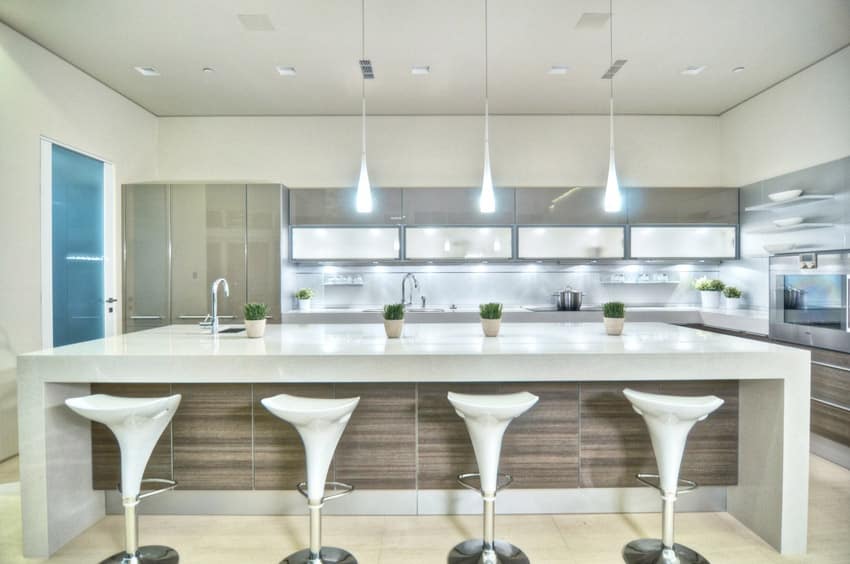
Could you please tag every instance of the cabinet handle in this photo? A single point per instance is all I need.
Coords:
(832, 404)
(205, 316)
(147, 317)
(828, 365)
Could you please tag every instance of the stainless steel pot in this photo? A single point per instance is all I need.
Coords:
(569, 299)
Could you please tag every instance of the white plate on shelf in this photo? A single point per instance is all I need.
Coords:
(778, 248)
(788, 221)
(785, 195)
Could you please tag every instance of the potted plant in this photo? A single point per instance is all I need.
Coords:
(394, 320)
(304, 295)
(614, 316)
(491, 318)
(709, 292)
(255, 320)
(733, 297)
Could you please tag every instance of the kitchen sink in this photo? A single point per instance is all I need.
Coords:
(409, 310)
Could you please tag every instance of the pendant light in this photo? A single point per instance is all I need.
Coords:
(613, 201)
(487, 202)
(363, 199)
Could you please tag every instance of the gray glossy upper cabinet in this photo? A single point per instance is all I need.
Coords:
(456, 206)
(335, 206)
(146, 263)
(564, 206)
(264, 236)
(208, 240)
(682, 205)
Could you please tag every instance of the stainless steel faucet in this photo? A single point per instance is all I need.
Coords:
(407, 276)
(214, 290)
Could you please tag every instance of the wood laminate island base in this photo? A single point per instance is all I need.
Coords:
(576, 451)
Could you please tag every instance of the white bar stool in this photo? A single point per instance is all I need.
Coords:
(487, 417)
(137, 423)
(669, 420)
(320, 423)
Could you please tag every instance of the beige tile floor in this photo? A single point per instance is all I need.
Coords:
(547, 539)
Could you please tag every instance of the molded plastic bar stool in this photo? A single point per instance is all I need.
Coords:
(320, 422)
(137, 423)
(669, 420)
(487, 417)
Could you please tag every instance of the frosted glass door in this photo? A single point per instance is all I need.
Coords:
(345, 243)
(683, 242)
(571, 242)
(79, 307)
(434, 243)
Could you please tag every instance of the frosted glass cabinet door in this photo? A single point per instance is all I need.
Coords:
(264, 261)
(571, 242)
(345, 243)
(430, 243)
(208, 242)
(146, 276)
(683, 242)
(336, 206)
(564, 206)
(456, 206)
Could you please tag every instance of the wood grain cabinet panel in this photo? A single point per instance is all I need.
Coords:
(278, 452)
(212, 437)
(106, 456)
(831, 384)
(834, 358)
(378, 448)
(831, 422)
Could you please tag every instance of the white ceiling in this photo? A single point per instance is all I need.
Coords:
(321, 38)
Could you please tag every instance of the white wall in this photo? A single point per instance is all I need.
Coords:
(42, 95)
(801, 122)
(442, 150)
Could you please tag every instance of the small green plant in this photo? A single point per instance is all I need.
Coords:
(255, 312)
(731, 292)
(393, 312)
(304, 293)
(614, 310)
(490, 311)
(705, 284)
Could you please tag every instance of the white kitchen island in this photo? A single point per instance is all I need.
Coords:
(771, 491)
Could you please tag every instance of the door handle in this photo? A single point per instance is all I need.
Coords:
(145, 317)
(111, 300)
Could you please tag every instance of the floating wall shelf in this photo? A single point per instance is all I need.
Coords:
(786, 203)
(797, 227)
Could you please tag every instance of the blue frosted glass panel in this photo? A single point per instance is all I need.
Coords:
(78, 294)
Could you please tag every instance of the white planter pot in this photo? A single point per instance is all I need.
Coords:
(710, 300)
(304, 305)
(613, 325)
(491, 327)
(733, 303)
(255, 328)
(393, 327)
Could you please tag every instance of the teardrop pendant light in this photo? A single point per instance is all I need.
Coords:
(613, 201)
(487, 202)
(363, 199)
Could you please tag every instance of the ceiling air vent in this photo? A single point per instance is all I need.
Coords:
(593, 20)
(256, 22)
(613, 69)
(366, 68)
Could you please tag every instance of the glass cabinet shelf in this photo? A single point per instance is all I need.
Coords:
(692, 242)
(458, 243)
(345, 243)
(571, 242)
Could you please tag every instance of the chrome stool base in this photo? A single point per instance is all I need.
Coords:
(472, 552)
(327, 555)
(651, 551)
(146, 555)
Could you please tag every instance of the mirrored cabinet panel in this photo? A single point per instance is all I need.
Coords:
(682, 205)
(146, 266)
(456, 206)
(345, 243)
(571, 242)
(435, 243)
(683, 242)
(335, 206)
(564, 206)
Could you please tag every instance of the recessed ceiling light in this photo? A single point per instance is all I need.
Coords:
(558, 69)
(738, 69)
(286, 71)
(420, 69)
(208, 70)
(147, 71)
(592, 20)
(693, 70)
(255, 22)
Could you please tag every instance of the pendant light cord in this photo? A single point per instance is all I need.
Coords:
(486, 82)
(363, 78)
(611, 64)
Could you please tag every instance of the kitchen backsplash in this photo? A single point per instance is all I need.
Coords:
(530, 284)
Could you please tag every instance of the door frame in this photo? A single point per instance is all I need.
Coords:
(109, 232)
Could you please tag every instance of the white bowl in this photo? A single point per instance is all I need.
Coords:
(785, 195)
(778, 248)
(788, 221)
